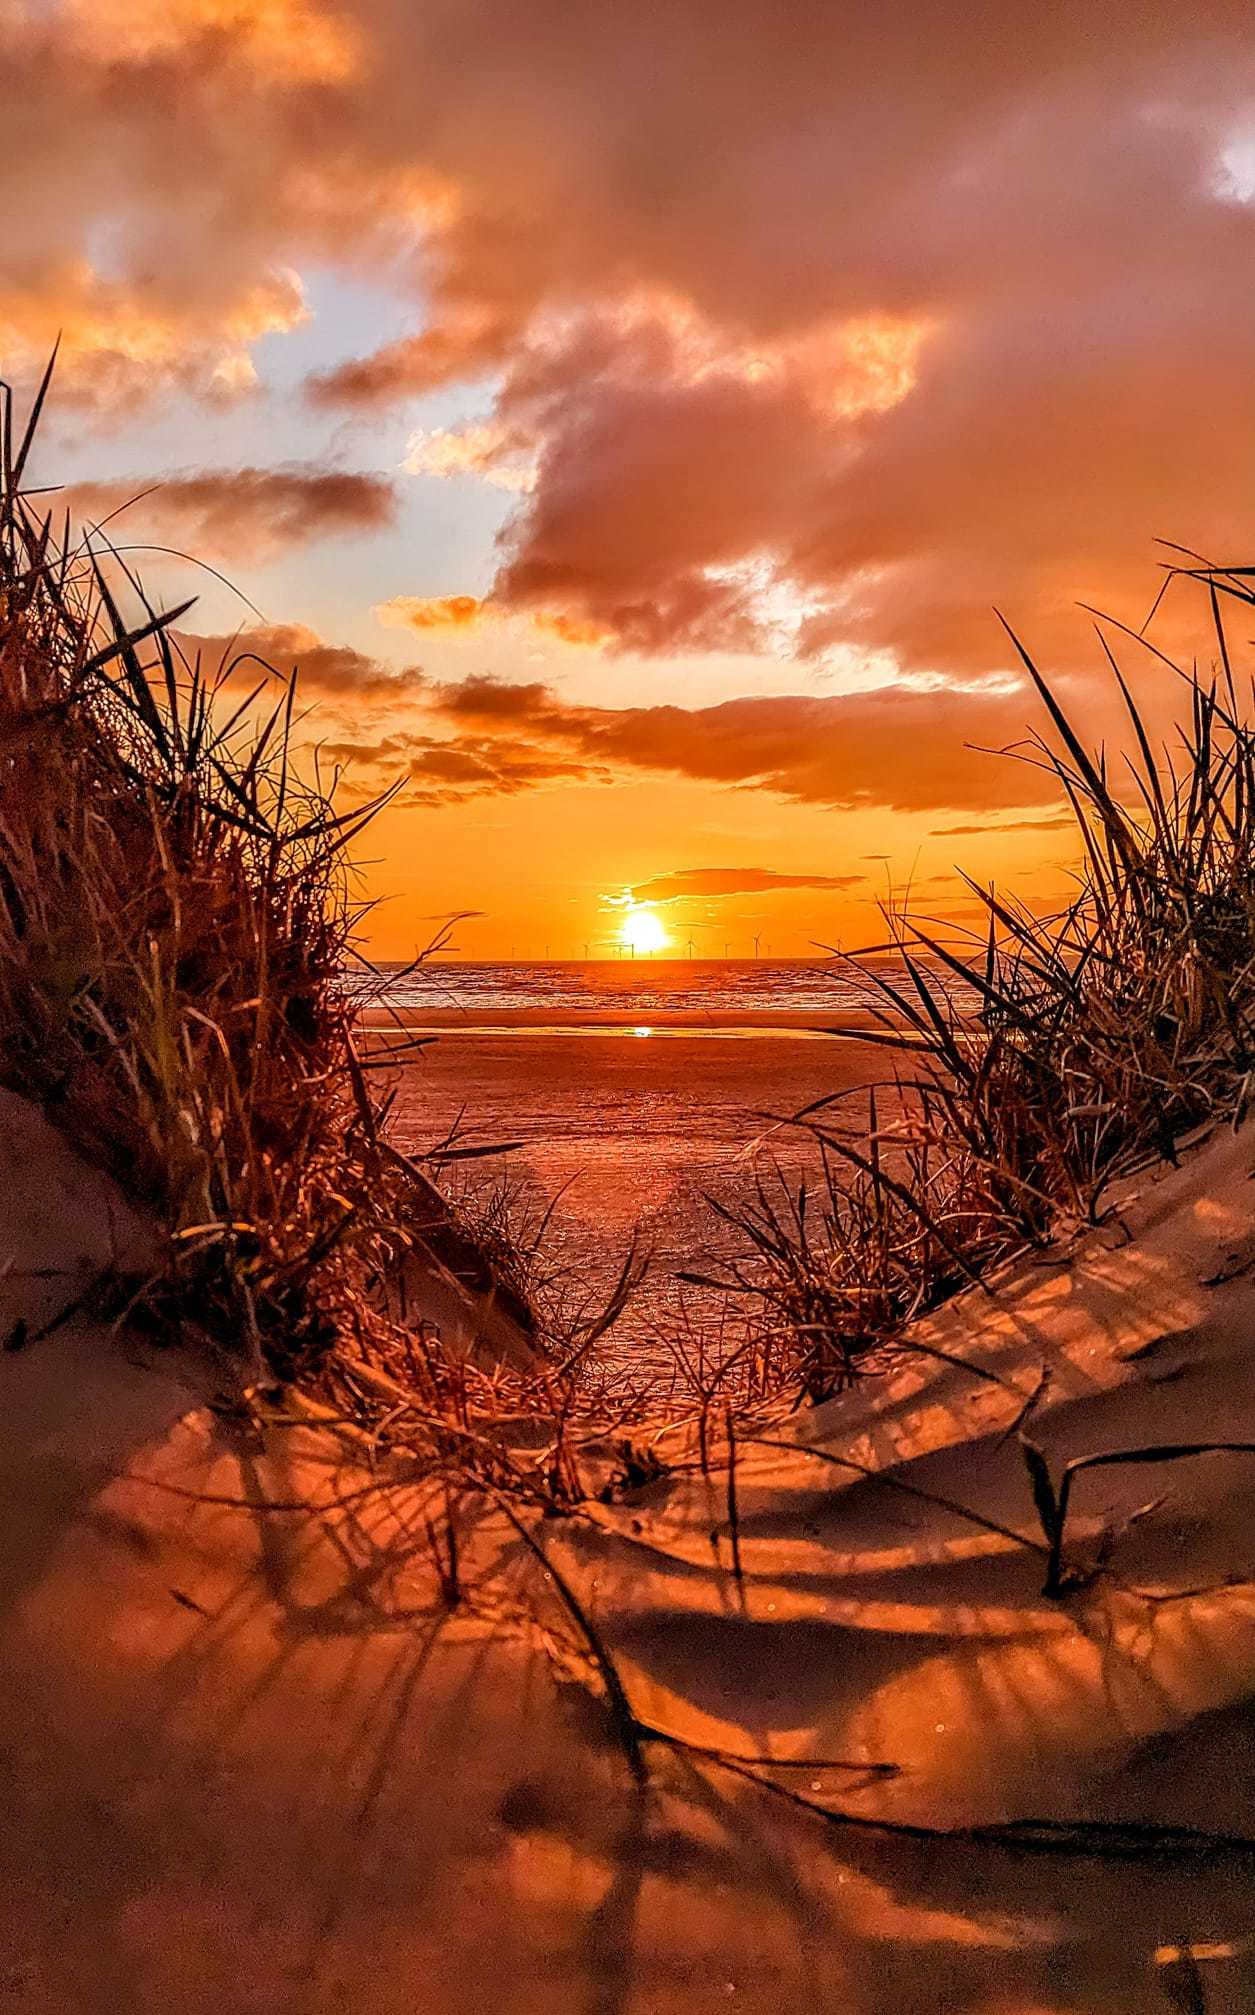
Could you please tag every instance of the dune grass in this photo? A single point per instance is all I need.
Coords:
(1041, 1058)
(175, 925)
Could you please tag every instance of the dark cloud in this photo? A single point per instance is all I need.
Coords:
(238, 513)
(684, 882)
(365, 752)
(1057, 822)
(901, 747)
(335, 670)
(446, 771)
(489, 700)
(904, 747)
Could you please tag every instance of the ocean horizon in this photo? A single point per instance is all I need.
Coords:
(637, 996)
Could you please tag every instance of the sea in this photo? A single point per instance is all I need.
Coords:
(629, 1099)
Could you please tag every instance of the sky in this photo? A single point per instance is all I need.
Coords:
(628, 418)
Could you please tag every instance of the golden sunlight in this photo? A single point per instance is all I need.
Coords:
(642, 931)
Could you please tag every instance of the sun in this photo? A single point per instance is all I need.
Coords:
(642, 930)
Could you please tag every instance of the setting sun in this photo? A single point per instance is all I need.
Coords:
(643, 930)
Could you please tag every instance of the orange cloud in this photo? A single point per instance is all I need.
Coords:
(915, 748)
(439, 612)
(577, 631)
(468, 612)
(308, 43)
(125, 342)
(1058, 822)
(335, 670)
(907, 748)
(447, 771)
(234, 513)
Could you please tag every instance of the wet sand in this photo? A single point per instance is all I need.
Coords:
(629, 1129)
(654, 1020)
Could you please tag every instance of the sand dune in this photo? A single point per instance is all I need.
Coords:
(249, 1763)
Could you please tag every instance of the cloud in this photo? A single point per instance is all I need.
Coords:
(483, 698)
(461, 346)
(685, 882)
(334, 670)
(898, 746)
(432, 612)
(667, 490)
(1057, 822)
(484, 449)
(125, 342)
(310, 43)
(240, 513)
(932, 387)
(879, 315)
(473, 612)
(448, 771)
(909, 748)
(381, 751)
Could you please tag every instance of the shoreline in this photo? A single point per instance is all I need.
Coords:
(655, 1021)
(613, 1133)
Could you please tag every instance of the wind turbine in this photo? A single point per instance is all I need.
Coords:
(690, 948)
(758, 938)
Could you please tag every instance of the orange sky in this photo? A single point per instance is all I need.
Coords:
(627, 416)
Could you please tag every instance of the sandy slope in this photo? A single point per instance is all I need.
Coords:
(247, 1763)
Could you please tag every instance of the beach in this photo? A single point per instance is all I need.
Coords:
(628, 1125)
(256, 1761)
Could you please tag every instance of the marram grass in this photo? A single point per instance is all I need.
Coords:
(175, 924)
(1043, 1057)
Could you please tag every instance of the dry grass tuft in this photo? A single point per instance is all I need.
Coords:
(175, 924)
(1043, 1057)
